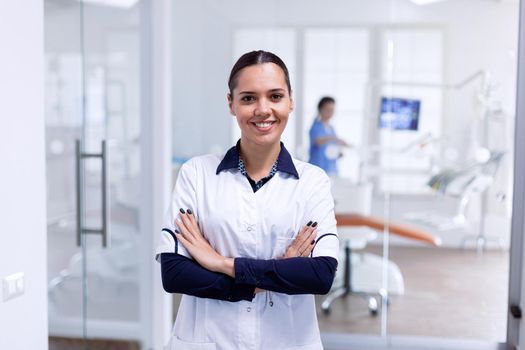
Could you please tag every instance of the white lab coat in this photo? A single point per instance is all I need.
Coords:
(240, 223)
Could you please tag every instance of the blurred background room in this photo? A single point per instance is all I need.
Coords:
(429, 190)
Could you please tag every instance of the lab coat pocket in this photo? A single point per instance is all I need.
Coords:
(178, 344)
(281, 244)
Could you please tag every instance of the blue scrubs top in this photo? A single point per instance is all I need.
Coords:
(318, 152)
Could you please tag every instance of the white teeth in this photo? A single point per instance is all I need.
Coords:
(263, 125)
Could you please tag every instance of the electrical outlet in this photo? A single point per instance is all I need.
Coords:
(13, 286)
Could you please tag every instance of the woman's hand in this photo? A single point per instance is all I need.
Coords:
(190, 236)
(304, 243)
(342, 142)
(301, 246)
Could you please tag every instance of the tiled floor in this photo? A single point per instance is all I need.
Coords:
(449, 293)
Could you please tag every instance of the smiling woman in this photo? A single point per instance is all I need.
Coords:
(260, 98)
(250, 237)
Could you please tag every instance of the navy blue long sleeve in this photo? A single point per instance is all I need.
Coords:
(186, 276)
(289, 276)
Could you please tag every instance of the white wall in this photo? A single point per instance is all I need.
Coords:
(23, 320)
(202, 53)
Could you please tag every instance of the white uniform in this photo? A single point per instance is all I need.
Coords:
(239, 222)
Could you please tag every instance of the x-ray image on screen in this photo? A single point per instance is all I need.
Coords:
(399, 113)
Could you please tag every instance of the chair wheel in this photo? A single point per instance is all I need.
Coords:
(326, 311)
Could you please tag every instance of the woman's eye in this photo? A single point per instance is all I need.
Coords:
(247, 98)
(277, 97)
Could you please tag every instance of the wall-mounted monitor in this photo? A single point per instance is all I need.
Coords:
(399, 113)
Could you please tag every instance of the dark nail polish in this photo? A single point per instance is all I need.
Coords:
(309, 223)
(314, 224)
(313, 241)
(189, 211)
(182, 211)
(177, 231)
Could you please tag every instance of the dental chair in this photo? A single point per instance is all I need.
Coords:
(350, 198)
(475, 177)
(361, 274)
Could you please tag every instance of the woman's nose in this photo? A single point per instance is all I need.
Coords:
(263, 108)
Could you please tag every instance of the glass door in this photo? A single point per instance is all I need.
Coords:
(64, 124)
(111, 148)
(93, 136)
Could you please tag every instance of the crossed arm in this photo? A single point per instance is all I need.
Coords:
(211, 275)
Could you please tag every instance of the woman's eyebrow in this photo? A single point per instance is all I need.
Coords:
(253, 93)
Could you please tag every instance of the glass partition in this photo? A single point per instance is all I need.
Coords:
(425, 101)
(443, 121)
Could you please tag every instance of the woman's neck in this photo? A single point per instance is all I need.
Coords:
(325, 121)
(258, 160)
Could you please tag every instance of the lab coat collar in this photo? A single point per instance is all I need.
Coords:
(284, 160)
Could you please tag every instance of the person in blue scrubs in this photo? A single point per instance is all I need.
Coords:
(323, 136)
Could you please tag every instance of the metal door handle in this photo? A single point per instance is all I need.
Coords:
(104, 230)
(79, 174)
(105, 195)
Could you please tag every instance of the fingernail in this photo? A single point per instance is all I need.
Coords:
(309, 223)
(189, 211)
(314, 224)
(182, 211)
(177, 231)
(313, 241)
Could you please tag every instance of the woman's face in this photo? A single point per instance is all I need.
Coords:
(327, 111)
(261, 103)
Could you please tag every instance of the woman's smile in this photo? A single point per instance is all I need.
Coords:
(264, 126)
